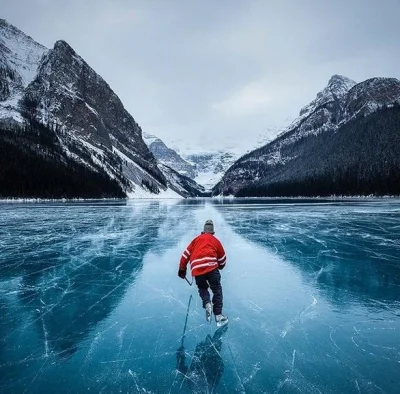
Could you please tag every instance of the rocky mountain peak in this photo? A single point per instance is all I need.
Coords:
(63, 44)
(340, 83)
(56, 90)
(22, 51)
(378, 85)
(324, 112)
(370, 95)
(63, 48)
(20, 57)
(337, 88)
(348, 129)
(168, 156)
(8, 29)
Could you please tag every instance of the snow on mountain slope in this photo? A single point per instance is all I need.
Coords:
(20, 57)
(67, 92)
(181, 184)
(57, 88)
(23, 53)
(149, 138)
(336, 90)
(341, 102)
(210, 167)
(323, 112)
(169, 156)
(205, 168)
(370, 95)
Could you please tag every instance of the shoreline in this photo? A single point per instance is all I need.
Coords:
(316, 198)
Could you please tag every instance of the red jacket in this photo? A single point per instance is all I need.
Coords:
(205, 253)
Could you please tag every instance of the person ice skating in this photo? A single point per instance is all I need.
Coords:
(207, 257)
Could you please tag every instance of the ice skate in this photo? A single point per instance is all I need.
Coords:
(221, 320)
(208, 308)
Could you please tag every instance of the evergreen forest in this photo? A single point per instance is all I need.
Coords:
(360, 158)
(34, 165)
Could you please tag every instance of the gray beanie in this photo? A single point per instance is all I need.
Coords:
(209, 227)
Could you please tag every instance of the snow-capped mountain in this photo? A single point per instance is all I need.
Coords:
(20, 57)
(169, 156)
(56, 87)
(324, 112)
(317, 147)
(369, 96)
(211, 166)
(183, 185)
(204, 168)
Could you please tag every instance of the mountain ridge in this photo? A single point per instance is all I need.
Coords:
(57, 88)
(169, 156)
(326, 114)
(205, 168)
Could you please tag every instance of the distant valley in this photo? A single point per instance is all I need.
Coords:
(205, 168)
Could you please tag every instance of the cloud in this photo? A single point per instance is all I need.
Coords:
(111, 17)
(218, 72)
(248, 100)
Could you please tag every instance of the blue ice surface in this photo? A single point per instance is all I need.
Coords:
(90, 300)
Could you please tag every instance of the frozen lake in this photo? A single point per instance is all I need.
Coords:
(90, 300)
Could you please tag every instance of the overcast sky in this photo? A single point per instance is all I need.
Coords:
(210, 74)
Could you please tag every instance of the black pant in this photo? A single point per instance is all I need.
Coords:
(211, 279)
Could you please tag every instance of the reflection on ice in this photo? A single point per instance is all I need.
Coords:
(204, 370)
(203, 373)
